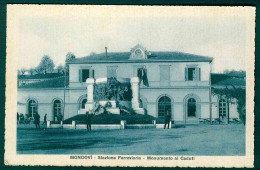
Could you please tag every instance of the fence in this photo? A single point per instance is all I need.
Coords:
(123, 125)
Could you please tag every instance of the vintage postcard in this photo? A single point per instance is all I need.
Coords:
(150, 86)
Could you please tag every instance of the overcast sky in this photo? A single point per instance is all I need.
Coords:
(223, 38)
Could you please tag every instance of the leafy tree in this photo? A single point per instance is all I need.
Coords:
(37, 70)
(46, 65)
(21, 71)
(92, 53)
(233, 92)
(60, 69)
(31, 71)
(234, 73)
(70, 56)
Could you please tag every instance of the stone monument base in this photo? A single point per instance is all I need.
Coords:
(139, 110)
(113, 110)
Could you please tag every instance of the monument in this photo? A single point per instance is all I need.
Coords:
(113, 93)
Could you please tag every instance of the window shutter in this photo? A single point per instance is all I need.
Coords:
(93, 73)
(199, 74)
(165, 75)
(80, 75)
(186, 74)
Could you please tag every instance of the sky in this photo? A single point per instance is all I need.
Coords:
(223, 38)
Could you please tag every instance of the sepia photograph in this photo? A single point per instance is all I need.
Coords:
(159, 86)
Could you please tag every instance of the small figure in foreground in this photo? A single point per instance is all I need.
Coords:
(88, 121)
(45, 119)
(21, 119)
(167, 119)
(59, 117)
(18, 117)
(36, 120)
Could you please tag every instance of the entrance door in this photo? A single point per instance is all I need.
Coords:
(164, 105)
(222, 110)
(56, 109)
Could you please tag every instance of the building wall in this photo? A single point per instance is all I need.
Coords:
(128, 70)
(178, 98)
(45, 99)
(233, 114)
(150, 97)
(178, 89)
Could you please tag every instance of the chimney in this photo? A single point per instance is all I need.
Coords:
(106, 51)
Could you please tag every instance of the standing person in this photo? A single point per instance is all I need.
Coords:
(59, 116)
(37, 120)
(88, 121)
(18, 118)
(45, 119)
(21, 119)
(167, 119)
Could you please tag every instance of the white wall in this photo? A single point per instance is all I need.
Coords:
(178, 103)
(232, 108)
(45, 98)
(177, 90)
(127, 70)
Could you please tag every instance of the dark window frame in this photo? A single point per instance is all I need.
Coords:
(191, 107)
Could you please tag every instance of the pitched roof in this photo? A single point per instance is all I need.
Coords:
(51, 83)
(232, 81)
(40, 76)
(154, 57)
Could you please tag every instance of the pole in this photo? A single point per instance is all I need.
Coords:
(64, 97)
(210, 107)
(228, 111)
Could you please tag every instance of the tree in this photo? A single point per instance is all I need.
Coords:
(234, 73)
(92, 54)
(60, 69)
(37, 70)
(70, 56)
(233, 92)
(46, 65)
(31, 71)
(21, 71)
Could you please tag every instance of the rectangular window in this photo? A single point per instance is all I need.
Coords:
(84, 74)
(139, 71)
(111, 71)
(192, 74)
(164, 75)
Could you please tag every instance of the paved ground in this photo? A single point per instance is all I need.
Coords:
(192, 140)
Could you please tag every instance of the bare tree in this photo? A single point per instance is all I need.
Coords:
(46, 65)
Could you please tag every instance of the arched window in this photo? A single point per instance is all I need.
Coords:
(56, 108)
(32, 107)
(192, 107)
(222, 107)
(164, 105)
(83, 102)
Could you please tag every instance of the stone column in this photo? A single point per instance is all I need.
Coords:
(135, 92)
(73, 124)
(48, 124)
(123, 124)
(90, 89)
